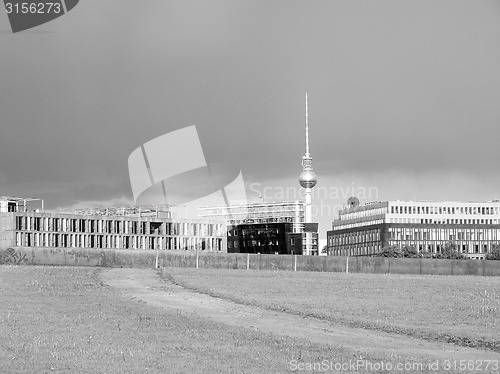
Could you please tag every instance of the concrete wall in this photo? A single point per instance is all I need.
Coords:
(405, 265)
(7, 231)
(375, 265)
(213, 260)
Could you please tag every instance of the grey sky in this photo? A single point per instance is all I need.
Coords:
(403, 95)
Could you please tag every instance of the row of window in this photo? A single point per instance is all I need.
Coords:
(24, 239)
(108, 226)
(447, 221)
(363, 213)
(415, 234)
(447, 234)
(259, 210)
(482, 210)
(358, 250)
(343, 226)
(423, 210)
(419, 221)
(354, 237)
(437, 246)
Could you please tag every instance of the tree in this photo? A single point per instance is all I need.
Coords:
(495, 253)
(425, 253)
(450, 251)
(409, 251)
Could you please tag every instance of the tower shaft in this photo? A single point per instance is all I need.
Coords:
(308, 205)
(307, 178)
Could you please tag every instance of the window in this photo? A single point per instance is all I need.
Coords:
(292, 241)
(19, 223)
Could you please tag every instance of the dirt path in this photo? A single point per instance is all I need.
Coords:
(147, 286)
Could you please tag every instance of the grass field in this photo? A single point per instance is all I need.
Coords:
(64, 320)
(460, 309)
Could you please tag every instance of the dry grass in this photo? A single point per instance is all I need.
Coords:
(63, 320)
(460, 309)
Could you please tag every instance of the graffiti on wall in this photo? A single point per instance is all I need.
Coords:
(11, 256)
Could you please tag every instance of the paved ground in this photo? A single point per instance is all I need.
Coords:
(147, 286)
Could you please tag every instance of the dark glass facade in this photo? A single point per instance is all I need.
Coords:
(265, 238)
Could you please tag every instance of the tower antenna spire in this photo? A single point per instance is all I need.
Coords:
(307, 159)
(307, 130)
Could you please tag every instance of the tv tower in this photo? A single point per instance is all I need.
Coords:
(307, 178)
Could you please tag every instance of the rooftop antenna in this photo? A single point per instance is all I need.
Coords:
(307, 131)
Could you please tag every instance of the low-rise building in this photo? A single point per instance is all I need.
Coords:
(117, 228)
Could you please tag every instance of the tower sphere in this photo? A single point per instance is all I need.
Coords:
(307, 179)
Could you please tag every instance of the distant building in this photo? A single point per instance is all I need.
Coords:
(116, 228)
(365, 230)
(266, 227)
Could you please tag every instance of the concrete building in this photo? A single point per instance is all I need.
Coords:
(365, 230)
(18, 204)
(126, 228)
(266, 227)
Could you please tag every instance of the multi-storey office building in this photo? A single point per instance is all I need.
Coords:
(365, 230)
(131, 228)
(266, 227)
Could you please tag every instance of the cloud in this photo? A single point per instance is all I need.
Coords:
(402, 95)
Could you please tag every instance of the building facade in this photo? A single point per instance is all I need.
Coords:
(365, 230)
(266, 227)
(112, 228)
(265, 238)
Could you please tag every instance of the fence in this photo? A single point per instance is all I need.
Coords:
(213, 260)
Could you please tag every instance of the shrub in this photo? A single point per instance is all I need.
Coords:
(450, 251)
(390, 251)
(495, 253)
(409, 251)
